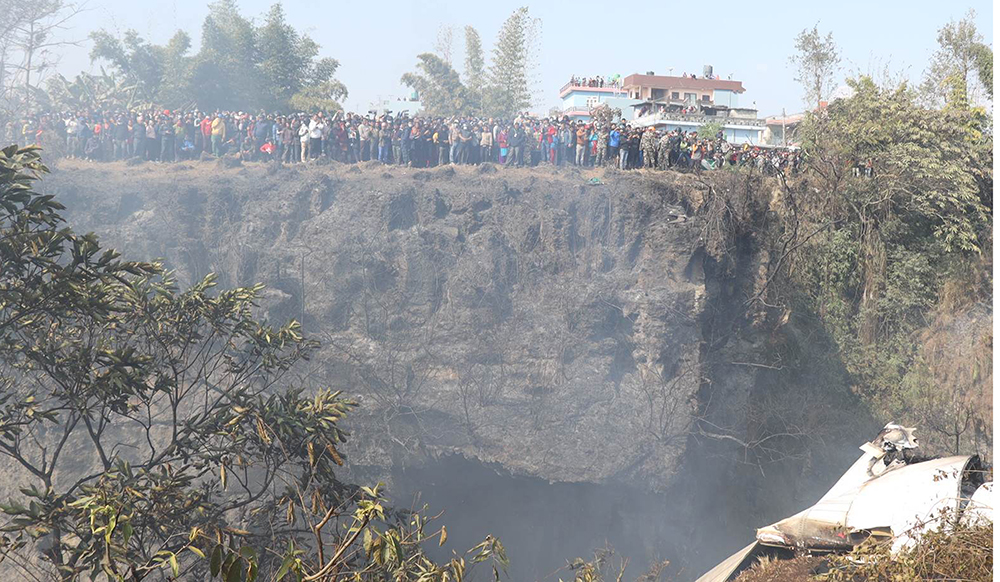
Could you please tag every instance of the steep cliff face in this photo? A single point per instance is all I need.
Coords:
(527, 318)
(553, 325)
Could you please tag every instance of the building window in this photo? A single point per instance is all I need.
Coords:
(690, 96)
(675, 95)
(593, 101)
(704, 97)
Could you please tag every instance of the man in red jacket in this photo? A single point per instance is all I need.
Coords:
(206, 133)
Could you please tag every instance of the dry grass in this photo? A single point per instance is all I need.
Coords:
(962, 553)
(774, 570)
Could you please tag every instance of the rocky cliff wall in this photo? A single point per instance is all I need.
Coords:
(552, 325)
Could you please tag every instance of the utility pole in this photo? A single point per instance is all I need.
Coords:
(784, 136)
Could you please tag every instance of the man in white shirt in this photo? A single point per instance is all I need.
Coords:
(304, 139)
(72, 131)
(316, 135)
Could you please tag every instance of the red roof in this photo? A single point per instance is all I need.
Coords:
(664, 82)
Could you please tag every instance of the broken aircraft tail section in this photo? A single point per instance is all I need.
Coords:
(889, 493)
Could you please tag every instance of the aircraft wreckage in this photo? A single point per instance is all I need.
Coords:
(889, 493)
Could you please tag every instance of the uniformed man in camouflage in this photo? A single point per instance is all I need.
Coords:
(602, 145)
(648, 146)
(663, 151)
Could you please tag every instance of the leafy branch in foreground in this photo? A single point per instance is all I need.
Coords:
(160, 432)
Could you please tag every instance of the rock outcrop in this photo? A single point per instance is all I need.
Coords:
(558, 325)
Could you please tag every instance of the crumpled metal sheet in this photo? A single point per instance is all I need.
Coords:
(883, 494)
(979, 510)
(731, 565)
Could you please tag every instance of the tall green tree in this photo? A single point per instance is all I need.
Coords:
(225, 73)
(290, 70)
(159, 74)
(132, 58)
(175, 89)
(957, 60)
(508, 85)
(440, 88)
(817, 61)
(984, 66)
(474, 63)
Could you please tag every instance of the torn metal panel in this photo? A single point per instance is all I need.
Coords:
(909, 500)
(905, 500)
(742, 560)
(886, 493)
(979, 510)
(731, 566)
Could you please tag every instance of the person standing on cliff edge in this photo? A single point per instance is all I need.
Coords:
(218, 135)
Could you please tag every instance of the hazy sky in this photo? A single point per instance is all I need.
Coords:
(376, 42)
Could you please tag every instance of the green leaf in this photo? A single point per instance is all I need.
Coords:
(215, 563)
(248, 553)
(286, 565)
(235, 573)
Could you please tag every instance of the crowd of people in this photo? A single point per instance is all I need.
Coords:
(598, 81)
(169, 136)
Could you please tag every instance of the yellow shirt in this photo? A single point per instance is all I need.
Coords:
(218, 127)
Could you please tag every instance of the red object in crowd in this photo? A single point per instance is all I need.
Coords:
(267, 148)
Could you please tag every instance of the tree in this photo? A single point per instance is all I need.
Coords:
(270, 66)
(318, 97)
(289, 69)
(444, 43)
(710, 129)
(159, 74)
(905, 207)
(206, 453)
(474, 74)
(508, 89)
(817, 59)
(440, 88)
(32, 37)
(12, 11)
(949, 389)
(984, 66)
(225, 73)
(134, 59)
(88, 91)
(959, 55)
(175, 90)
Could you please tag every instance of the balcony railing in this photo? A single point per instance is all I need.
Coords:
(609, 88)
(701, 119)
